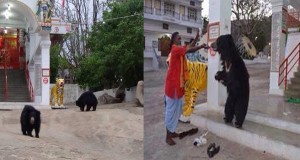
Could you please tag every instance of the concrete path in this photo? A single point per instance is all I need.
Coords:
(113, 132)
(154, 142)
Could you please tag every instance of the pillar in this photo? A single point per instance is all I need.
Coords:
(45, 69)
(278, 39)
(220, 24)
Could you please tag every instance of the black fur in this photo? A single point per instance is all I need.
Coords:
(89, 99)
(30, 119)
(236, 79)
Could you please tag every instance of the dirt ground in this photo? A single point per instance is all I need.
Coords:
(113, 132)
(154, 143)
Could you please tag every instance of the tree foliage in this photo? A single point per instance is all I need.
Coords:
(54, 62)
(116, 46)
(248, 13)
(251, 19)
(82, 14)
(261, 35)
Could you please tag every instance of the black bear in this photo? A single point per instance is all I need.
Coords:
(89, 99)
(235, 77)
(30, 119)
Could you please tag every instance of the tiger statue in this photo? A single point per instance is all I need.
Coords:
(196, 82)
(57, 92)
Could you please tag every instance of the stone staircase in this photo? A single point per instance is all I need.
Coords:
(260, 132)
(293, 88)
(17, 86)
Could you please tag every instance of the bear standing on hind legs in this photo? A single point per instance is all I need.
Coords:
(235, 77)
(30, 119)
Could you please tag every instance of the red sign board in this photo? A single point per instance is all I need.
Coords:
(45, 80)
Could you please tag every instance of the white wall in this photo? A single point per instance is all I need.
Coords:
(157, 28)
(72, 92)
(292, 41)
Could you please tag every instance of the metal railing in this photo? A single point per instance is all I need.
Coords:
(171, 14)
(285, 68)
(30, 88)
(3, 55)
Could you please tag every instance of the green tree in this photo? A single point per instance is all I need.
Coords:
(54, 62)
(261, 35)
(116, 48)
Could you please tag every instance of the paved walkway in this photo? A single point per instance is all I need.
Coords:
(154, 136)
(113, 132)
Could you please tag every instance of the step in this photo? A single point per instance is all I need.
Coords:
(297, 74)
(258, 136)
(295, 80)
(257, 117)
(17, 86)
(20, 105)
(293, 87)
(291, 94)
(15, 100)
(12, 99)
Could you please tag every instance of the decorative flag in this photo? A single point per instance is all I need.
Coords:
(63, 3)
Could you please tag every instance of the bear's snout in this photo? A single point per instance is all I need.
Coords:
(218, 76)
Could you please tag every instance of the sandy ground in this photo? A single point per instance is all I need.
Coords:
(155, 147)
(113, 132)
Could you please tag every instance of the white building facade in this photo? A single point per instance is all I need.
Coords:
(30, 22)
(161, 19)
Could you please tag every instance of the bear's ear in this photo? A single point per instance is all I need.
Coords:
(56, 79)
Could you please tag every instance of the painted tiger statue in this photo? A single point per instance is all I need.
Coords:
(196, 82)
(57, 92)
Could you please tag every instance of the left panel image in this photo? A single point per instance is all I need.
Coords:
(71, 79)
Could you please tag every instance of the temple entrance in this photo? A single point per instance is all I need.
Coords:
(11, 50)
(13, 85)
(16, 25)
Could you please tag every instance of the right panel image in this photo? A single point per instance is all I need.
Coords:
(221, 79)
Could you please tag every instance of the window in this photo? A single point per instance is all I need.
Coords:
(154, 44)
(192, 3)
(182, 10)
(189, 30)
(192, 13)
(148, 3)
(157, 4)
(165, 26)
(169, 9)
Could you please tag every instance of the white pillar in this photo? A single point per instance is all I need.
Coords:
(45, 78)
(31, 69)
(32, 45)
(219, 14)
(277, 45)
